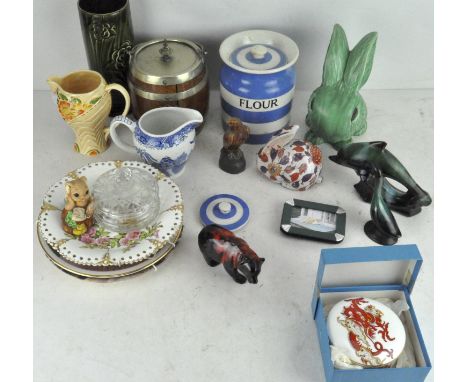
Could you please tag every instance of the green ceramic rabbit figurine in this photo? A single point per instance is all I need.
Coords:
(336, 110)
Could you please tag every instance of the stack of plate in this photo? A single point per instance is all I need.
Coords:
(103, 254)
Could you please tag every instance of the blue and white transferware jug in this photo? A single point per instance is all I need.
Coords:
(163, 137)
(257, 81)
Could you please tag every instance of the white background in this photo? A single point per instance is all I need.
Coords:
(451, 260)
(403, 59)
(190, 322)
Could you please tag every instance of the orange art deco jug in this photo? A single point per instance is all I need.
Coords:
(84, 102)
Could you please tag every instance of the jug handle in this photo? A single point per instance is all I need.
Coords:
(124, 92)
(116, 121)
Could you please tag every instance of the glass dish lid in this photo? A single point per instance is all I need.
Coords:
(126, 199)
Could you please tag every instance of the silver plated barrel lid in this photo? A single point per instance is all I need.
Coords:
(167, 61)
(259, 51)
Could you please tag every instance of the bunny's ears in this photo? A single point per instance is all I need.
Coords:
(353, 68)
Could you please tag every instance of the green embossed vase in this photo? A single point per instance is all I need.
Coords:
(108, 37)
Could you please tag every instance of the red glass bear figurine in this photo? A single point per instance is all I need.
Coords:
(220, 246)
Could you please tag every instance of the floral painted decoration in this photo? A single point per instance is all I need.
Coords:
(72, 107)
(98, 237)
(164, 142)
(167, 165)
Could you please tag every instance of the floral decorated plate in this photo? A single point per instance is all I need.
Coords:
(104, 273)
(99, 249)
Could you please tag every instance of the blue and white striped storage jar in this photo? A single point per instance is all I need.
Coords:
(258, 80)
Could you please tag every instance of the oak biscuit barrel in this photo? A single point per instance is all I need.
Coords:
(169, 72)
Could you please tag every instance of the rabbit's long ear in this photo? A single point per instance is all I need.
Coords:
(360, 61)
(337, 55)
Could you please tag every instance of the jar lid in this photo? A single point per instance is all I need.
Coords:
(225, 210)
(259, 52)
(369, 332)
(167, 61)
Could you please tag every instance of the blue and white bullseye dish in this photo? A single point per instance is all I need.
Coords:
(258, 80)
(225, 210)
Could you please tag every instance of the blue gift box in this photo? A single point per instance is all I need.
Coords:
(372, 272)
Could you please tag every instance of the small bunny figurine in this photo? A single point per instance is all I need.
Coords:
(336, 110)
(77, 215)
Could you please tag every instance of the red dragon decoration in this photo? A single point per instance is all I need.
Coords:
(367, 332)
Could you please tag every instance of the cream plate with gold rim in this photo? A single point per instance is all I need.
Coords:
(103, 273)
(99, 247)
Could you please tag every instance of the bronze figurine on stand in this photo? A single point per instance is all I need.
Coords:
(232, 158)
